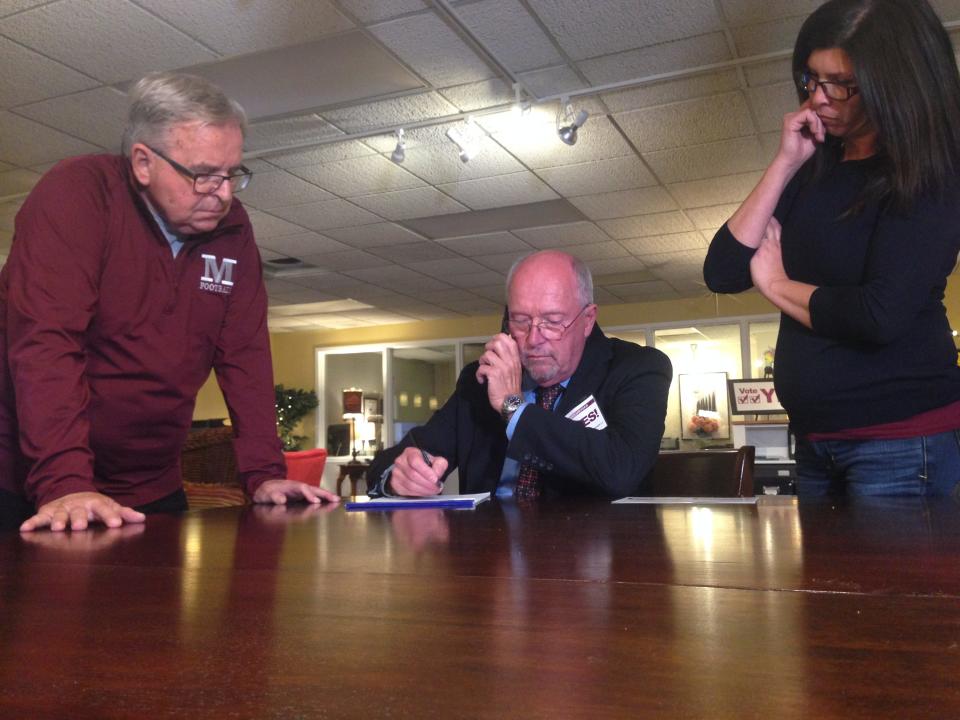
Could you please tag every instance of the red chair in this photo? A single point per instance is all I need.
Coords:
(306, 465)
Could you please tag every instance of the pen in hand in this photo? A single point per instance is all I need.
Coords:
(426, 458)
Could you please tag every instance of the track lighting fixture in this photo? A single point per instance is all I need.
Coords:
(568, 132)
(467, 145)
(399, 153)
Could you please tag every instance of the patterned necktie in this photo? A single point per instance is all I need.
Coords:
(528, 478)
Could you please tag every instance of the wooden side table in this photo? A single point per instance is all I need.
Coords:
(354, 471)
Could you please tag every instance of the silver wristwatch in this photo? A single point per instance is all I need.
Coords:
(511, 403)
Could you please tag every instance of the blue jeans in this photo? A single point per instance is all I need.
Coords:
(926, 465)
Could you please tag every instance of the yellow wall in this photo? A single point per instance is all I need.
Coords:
(293, 353)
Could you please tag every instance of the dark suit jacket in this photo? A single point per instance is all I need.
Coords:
(630, 384)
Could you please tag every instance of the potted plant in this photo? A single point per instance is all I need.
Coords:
(292, 405)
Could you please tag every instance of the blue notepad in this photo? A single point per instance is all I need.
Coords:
(457, 502)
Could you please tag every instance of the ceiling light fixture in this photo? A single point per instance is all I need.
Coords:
(568, 132)
(399, 153)
(461, 138)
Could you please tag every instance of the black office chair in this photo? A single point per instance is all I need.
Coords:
(703, 473)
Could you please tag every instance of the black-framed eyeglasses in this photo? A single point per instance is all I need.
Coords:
(841, 91)
(208, 183)
(549, 330)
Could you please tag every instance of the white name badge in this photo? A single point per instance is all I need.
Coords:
(588, 413)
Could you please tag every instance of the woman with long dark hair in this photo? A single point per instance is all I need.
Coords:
(852, 232)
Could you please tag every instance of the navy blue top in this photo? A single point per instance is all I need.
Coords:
(880, 349)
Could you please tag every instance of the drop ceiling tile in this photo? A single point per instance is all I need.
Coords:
(770, 144)
(25, 142)
(486, 244)
(589, 29)
(329, 281)
(287, 133)
(448, 295)
(696, 162)
(432, 50)
(639, 201)
(375, 235)
(380, 317)
(509, 31)
(423, 251)
(608, 175)
(562, 236)
(320, 154)
(644, 225)
(609, 266)
(266, 226)
(555, 80)
(392, 113)
(691, 122)
(98, 116)
(111, 40)
(744, 12)
(9, 7)
(767, 37)
(398, 278)
(368, 11)
(28, 76)
(768, 73)
(597, 251)
(270, 190)
(671, 91)
(500, 191)
(328, 214)
(501, 262)
(707, 218)
(359, 176)
(8, 212)
(283, 289)
(474, 306)
(304, 244)
(251, 26)
(14, 182)
(479, 95)
(537, 144)
(654, 244)
(495, 292)
(715, 191)
(441, 163)
(448, 269)
(344, 260)
(425, 311)
(658, 59)
(267, 254)
(771, 102)
(483, 278)
(405, 204)
(650, 290)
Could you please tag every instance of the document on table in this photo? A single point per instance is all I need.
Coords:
(686, 501)
(461, 502)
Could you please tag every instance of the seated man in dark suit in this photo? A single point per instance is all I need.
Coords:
(552, 407)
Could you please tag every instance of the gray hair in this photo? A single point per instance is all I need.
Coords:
(161, 100)
(580, 270)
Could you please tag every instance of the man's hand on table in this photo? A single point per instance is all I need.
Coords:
(77, 510)
(278, 492)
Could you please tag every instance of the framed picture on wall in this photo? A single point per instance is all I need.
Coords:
(704, 412)
(371, 408)
(353, 401)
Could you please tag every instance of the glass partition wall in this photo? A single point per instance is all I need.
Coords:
(402, 384)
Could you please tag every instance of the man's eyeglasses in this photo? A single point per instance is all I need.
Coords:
(549, 330)
(207, 183)
(841, 91)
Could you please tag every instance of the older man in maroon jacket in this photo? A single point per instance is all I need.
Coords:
(130, 277)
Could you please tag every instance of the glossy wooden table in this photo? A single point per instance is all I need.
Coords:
(558, 611)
